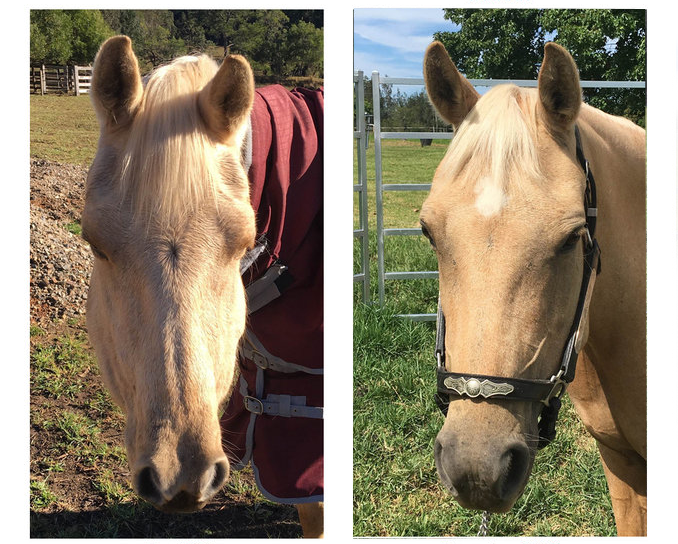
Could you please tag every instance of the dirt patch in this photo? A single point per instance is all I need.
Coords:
(79, 477)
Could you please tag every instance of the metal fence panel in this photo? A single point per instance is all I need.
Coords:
(362, 232)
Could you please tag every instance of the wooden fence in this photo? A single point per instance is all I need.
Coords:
(60, 79)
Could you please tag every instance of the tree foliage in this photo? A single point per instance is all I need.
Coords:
(66, 36)
(509, 43)
(277, 43)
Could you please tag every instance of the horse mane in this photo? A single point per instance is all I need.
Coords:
(169, 165)
(497, 139)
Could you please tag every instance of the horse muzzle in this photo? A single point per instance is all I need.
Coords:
(189, 491)
(489, 477)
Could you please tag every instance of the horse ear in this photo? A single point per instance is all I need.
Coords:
(559, 89)
(226, 101)
(116, 83)
(451, 94)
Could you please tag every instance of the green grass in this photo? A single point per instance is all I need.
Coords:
(112, 491)
(58, 368)
(403, 161)
(73, 420)
(63, 129)
(396, 488)
(74, 228)
(41, 495)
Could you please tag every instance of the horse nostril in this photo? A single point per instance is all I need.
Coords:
(514, 464)
(189, 492)
(221, 472)
(146, 486)
(445, 459)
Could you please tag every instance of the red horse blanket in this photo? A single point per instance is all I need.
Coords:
(274, 417)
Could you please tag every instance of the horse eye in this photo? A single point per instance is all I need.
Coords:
(571, 241)
(98, 253)
(425, 232)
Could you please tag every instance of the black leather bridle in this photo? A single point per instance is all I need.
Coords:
(547, 392)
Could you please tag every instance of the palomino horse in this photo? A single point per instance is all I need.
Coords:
(170, 219)
(511, 215)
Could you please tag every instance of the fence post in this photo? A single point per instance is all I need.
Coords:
(376, 109)
(76, 81)
(43, 82)
(362, 233)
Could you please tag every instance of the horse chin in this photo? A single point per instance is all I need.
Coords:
(487, 501)
(183, 503)
(484, 500)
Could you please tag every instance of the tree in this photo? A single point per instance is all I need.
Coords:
(158, 42)
(89, 31)
(190, 30)
(273, 42)
(66, 36)
(313, 16)
(268, 31)
(509, 43)
(304, 50)
(154, 36)
(51, 32)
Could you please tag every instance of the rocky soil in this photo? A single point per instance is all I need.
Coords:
(61, 261)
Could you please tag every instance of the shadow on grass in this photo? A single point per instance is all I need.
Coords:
(264, 520)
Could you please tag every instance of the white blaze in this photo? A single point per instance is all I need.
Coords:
(490, 197)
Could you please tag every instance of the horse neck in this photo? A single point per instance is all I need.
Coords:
(615, 149)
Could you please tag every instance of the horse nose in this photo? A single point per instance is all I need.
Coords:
(188, 492)
(489, 478)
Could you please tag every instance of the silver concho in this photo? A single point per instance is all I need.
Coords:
(473, 387)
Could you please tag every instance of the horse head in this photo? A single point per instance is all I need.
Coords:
(168, 218)
(507, 219)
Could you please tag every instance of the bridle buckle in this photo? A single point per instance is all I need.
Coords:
(559, 386)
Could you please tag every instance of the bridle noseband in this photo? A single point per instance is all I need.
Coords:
(549, 391)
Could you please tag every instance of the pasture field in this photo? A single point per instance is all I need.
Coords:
(396, 488)
(79, 479)
(63, 129)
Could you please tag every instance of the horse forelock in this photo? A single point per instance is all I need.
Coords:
(496, 143)
(169, 164)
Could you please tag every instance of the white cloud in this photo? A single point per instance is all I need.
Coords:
(416, 15)
(403, 29)
(400, 36)
(393, 41)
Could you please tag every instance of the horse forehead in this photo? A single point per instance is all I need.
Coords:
(486, 197)
(490, 196)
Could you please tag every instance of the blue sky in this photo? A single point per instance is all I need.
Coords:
(393, 41)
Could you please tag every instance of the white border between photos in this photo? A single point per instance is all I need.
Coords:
(662, 327)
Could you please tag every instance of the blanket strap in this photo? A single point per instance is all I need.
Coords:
(251, 348)
(283, 405)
